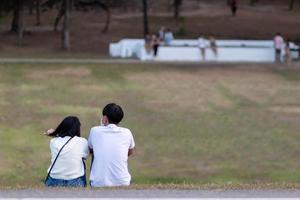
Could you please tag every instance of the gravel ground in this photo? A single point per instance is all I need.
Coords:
(147, 193)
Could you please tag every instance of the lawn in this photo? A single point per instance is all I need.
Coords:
(206, 124)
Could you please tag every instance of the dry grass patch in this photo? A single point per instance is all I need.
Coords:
(77, 72)
(286, 109)
(4, 165)
(91, 88)
(258, 86)
(214, 87)
(168, 88)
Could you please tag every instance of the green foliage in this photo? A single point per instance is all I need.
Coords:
(181, 32)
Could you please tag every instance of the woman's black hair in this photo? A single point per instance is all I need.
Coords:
(70, 126)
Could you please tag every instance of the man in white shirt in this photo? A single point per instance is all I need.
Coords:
(202, 44)
(111, 146)
(278, 45)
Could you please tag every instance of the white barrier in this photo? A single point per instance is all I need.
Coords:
(187, 50)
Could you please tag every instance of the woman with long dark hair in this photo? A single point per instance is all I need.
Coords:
(68, 151)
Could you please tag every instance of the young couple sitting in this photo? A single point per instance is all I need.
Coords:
(109, 145)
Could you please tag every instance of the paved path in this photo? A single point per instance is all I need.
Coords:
(68, 61)
(108, 61)
(148, 193)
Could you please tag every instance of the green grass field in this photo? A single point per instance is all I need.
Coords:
(224, 124)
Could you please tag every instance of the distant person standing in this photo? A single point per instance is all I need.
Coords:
(169, 37)
(287, 52)
(213, 46)
(278, 45)
(155, 44)
(202, 44)
(233, 6)
(161, 33)
(148, 46)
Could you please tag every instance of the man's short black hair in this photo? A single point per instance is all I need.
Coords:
(113, 112)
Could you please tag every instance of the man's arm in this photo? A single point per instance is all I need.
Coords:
(131, 146)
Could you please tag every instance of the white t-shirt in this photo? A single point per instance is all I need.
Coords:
(168, 37)
(110, 145)
(69, 163)
(202, 43)
(278, 42)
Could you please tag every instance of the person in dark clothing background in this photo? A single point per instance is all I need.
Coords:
(155, 44)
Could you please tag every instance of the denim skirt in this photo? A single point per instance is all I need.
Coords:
(77, 182)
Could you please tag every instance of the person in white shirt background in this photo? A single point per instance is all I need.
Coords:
(68, 150)
(110, 146)
(161, 33)
(278, 45)
(168, 37)
(202, 44)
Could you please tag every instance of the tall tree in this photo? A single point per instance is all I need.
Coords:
(38, 12)
(145, 17)
(83, 4)
(79, 4)
(65, 9)
(17, 24)
(253, 2)
(18, 21)
(21, 23)
(291, 6)
(16, 15)
(177, 4)
(66, 24)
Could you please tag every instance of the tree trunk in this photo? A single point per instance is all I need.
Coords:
(16, 12)
(177, 4)
(31, 6)
(106, 8)
(61, 13)
(38, 12)
(20, 23)
(252, 2)
(66, 26)
(107, 21)
(145, 20)
(291, 7)
(176, 11)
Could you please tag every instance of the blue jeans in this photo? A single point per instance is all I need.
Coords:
(77, 182)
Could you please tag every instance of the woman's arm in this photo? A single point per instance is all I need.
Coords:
(130, 152)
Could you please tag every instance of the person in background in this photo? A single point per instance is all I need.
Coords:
(233, 6)
(110, 145)
(202, 44)
(148, 46)
(278, 45)
(68, 150)
(161, 33)
(287, 49)
(213, 46)
(155, 44)
(169, 37)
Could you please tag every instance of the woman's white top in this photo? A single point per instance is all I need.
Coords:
(69, 163)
